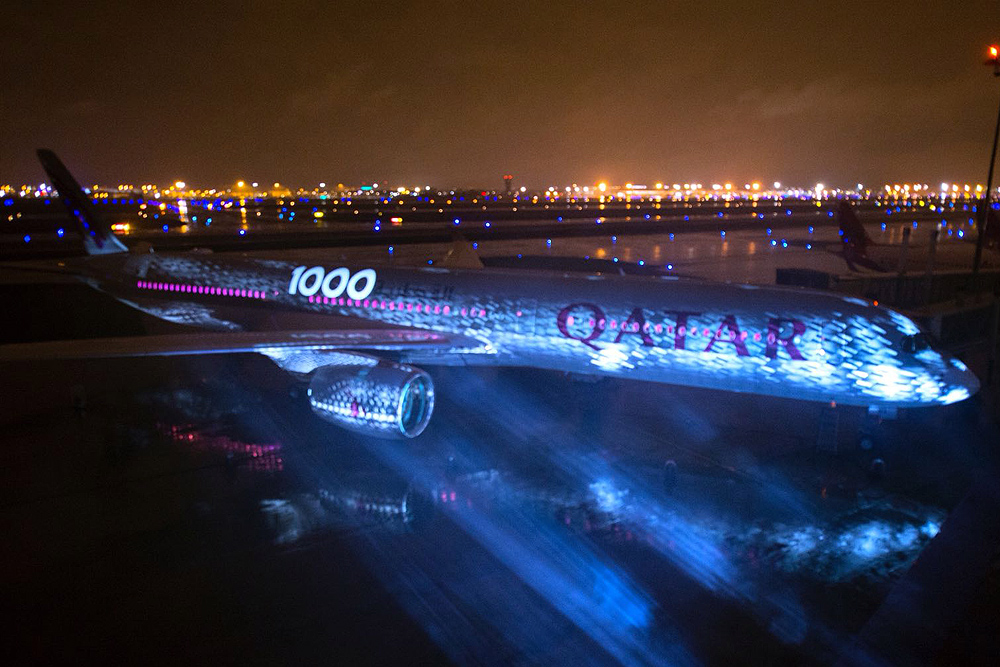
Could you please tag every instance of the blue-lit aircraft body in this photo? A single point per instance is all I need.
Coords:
(357, 330)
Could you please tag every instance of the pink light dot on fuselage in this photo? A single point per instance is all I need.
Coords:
(569, 320)
(447, 309)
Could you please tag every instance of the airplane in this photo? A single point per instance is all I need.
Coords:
(358, 333)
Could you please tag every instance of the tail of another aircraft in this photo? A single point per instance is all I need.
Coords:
(855, 239)
(97, 236)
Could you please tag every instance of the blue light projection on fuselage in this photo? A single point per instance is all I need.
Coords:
(773, 341)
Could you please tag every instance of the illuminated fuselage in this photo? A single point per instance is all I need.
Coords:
(774, 341)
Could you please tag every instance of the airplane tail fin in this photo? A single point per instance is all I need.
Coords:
(97, 236)
(461, 255)
(852, 232)
(855, 239)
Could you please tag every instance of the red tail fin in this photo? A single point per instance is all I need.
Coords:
(852, 232)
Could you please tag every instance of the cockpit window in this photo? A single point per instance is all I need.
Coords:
(915, 343)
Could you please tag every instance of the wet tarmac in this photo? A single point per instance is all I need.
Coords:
(195, 510)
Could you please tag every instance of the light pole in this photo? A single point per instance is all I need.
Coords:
(983, 214)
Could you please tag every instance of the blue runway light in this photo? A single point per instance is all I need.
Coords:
(671, 236)
(486, 224)
(773, 243)
(430, 261)
(27, 238)
(670, 267)
(687, 217)
(548, 242)
(720, 214)
(642, 263)
(390, 250)
(456, 221)
(784, 243)
(768, 231)
(723, 233)
(810, 229)
(243, 232)
(788, 211)
(809, 246)
(883, 226)
(165, 228)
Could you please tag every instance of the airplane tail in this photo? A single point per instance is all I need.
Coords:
(855, 239)
(97, 236)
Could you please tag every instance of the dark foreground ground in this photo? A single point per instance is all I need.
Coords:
(195, 511)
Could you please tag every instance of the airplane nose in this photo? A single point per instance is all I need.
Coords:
(960, 382)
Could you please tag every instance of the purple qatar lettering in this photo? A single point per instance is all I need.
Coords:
(728, 331)
(636, 318)
(735, 336)
(597, 330)
(680, 325)
(774, 329)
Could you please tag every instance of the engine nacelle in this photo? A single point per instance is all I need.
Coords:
(376, 397)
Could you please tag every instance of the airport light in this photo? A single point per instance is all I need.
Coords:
(984, 204)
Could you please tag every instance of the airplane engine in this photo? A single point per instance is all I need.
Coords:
(383, 399)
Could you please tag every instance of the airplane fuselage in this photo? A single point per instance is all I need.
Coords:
(774, 341)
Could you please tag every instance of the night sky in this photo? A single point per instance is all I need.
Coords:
(459, 93)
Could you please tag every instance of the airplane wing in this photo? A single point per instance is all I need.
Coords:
(270, 343)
